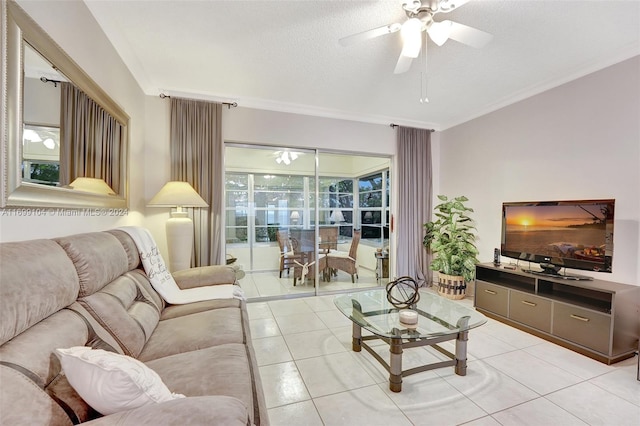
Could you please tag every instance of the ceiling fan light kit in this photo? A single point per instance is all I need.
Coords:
(439, 32)
(411, 38)
(420, 16)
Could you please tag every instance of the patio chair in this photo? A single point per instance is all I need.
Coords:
(288, 256)
(346, 261)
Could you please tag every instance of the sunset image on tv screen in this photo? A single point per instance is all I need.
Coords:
(577, 231)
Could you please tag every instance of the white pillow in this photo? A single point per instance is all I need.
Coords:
(110, 382)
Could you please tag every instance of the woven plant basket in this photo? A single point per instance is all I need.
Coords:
(451, 286)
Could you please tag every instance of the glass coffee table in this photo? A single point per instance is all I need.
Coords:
(439, 320)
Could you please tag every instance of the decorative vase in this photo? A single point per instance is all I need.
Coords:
(451, 286)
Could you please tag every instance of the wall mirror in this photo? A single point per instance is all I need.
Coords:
(64, 139)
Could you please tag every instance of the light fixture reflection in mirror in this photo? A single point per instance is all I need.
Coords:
(93, 185)
(336, 216)
(295, 217)
(286, 157)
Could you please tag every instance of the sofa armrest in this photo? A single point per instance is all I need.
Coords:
(204, 275)
(199, 410)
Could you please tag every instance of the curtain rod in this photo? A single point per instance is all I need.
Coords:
(397, 125)
(228, 104)
(48, 80)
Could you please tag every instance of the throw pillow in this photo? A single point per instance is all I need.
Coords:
(110, 382)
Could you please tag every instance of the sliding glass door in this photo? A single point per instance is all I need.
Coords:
(303, 222)
(354, 197)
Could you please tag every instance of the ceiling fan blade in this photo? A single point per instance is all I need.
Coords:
(403, 64)
(469, 35)
(446, 6)
(369, 34)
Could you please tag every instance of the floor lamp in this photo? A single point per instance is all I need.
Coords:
(179, 225)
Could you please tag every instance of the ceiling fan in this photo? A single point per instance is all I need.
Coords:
(420, 16)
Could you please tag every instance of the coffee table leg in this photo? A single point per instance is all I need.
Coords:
(356, 341)
(395, 365)
(461, 347)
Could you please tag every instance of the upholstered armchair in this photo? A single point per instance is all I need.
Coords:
(346, 261)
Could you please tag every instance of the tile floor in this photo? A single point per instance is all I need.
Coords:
(267, 284)
(311, 377)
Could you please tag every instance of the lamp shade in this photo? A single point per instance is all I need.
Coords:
(336, 216)
(177, 194)
(93, 185)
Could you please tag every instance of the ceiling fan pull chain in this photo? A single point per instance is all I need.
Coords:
(423, 74)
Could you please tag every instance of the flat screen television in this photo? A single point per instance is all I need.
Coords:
(574, 234)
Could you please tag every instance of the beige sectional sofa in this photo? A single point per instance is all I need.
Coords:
(89, 290)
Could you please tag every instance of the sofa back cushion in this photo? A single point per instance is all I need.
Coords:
(38, 279)
(112, 290)
(23, 402)
(33, 371)
(98, 257)
(129, 246)
(126, 309)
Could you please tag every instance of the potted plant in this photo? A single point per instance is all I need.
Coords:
(451, 239)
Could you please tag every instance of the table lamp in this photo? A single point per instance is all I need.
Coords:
(295, 217)
(179, 225)
(336, 216)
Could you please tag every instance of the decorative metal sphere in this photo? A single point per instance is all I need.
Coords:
(403, 292)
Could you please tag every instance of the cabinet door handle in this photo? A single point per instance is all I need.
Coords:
(525, 302)
(579, 318)
(490, 291)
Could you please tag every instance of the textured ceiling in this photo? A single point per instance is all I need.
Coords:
(285, 56)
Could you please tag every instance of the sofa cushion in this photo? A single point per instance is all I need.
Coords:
(195, 331)
(38, 279)
(202, 410)
(111, 382)
(174, 311)
(99, 258)
(220, 370)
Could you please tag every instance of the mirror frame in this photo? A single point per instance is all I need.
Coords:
(19, 26)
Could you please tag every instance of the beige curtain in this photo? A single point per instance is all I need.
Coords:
(414, 202)
(197, 157)
(90, 139)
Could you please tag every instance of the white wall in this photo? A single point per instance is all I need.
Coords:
(41, 102)
(72, 26)
(293, 130)
(578, 141)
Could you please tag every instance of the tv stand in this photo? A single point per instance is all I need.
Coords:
(555, 274)
(596, 318)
